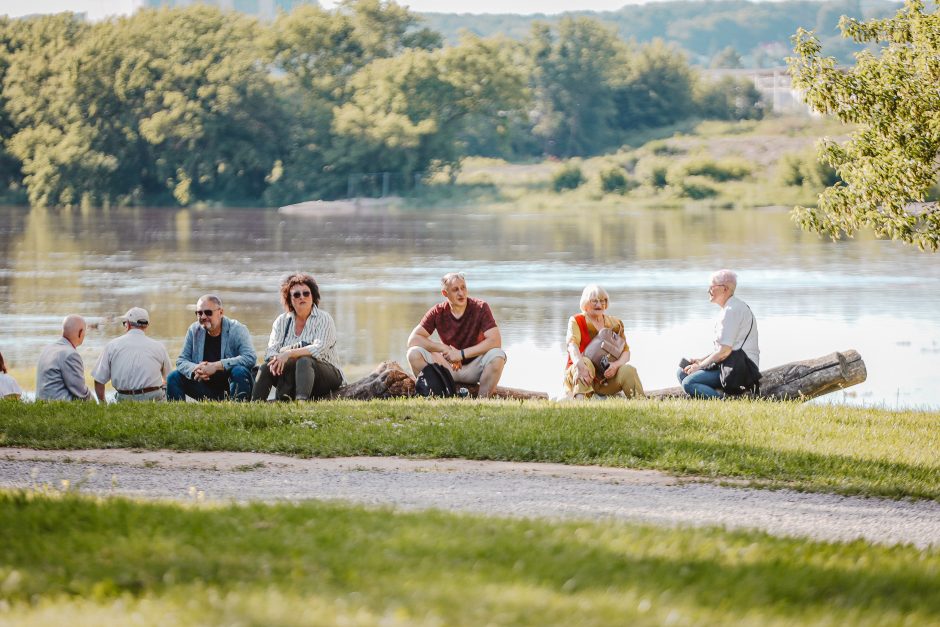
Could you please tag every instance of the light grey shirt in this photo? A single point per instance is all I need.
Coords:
(732, 328)
(319, 333)
(9, 386)
(133, 362)
(60, 374)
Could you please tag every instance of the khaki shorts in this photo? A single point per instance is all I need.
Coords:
(469, 373)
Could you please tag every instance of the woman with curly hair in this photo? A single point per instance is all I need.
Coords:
(301, 360)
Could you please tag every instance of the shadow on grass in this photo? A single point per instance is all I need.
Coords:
(71, 545)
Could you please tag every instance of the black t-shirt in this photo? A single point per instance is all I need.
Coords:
(212, 352)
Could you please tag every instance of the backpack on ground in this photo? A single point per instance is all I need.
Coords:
(435, 380)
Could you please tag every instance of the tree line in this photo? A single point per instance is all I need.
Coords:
(718, 33)
(178, 106)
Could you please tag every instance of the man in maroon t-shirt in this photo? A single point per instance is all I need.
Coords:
(470, 343)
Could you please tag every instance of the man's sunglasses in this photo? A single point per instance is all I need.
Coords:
(298, 294)
(205, 312)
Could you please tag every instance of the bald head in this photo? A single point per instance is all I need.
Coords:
(73, 329)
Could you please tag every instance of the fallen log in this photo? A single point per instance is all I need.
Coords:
(388, 380)
(800, 380)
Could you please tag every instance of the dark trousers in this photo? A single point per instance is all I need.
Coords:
(179, 387)
(303, 378)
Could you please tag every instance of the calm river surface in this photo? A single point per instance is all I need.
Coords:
(378, 274)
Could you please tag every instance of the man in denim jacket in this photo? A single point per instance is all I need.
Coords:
(216, 359)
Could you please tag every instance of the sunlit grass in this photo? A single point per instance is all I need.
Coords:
(72, 560)
(809, 447)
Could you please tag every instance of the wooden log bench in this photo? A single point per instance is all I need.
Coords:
(800, 380)
(797, 380)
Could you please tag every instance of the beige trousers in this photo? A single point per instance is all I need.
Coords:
(626, 380)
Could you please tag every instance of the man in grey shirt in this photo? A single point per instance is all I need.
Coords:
(60, 373)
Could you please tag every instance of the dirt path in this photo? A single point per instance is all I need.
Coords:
(480, 487)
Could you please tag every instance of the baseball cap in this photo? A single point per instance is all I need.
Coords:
(137, 315)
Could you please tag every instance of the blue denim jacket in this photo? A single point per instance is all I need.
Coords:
(236, 347)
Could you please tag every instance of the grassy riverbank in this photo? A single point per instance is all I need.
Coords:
(708, 164)
(806, 447)
(82, 561)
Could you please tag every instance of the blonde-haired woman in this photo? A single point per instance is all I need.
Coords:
(581, 381)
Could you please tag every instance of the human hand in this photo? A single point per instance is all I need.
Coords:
(611, 371)
(584, 374)
(277, 362)
(452, 355)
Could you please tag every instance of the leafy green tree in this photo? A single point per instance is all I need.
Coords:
(727, 58)
(317, 53)
(655, 88)
(575, 67)
(49, 135)
(891, 159)
(406, 114)
(728, 98)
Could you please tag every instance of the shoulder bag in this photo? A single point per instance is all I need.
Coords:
(739, 373)
(607, 346)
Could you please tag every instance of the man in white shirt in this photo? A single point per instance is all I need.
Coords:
(735, 329)
(136, 365)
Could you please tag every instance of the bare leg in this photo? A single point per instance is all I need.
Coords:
(416, 360)
(490, 377)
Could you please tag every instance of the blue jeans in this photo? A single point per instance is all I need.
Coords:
(701, 383)
(178, 387)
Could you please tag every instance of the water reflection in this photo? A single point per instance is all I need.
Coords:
(379, 274)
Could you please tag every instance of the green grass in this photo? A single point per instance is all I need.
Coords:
(73, 560)
(806, 447)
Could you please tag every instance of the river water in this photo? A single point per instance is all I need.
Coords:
(378, 273)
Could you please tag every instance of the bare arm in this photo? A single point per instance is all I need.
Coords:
(421, 338)
(99, 391)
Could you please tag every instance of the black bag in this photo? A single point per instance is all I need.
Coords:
(739, 374)
(435, 380)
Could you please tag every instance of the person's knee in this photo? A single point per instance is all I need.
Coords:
(304, 363)
(416, 359)
(240, 373)
(174, 386)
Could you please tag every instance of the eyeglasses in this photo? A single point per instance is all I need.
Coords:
(205, 312)
(599, 301)
(298, 294)
(714, 285)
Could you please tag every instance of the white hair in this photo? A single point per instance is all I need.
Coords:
(725, 277)
(592, 291)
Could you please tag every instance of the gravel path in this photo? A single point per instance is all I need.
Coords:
(490, 488)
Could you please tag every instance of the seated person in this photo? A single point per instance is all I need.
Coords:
(581, 380)
(216, 359)
(470, 343)
(9, 388)
(60, 371)
(136, 365)
(735, 329)
(301, 360)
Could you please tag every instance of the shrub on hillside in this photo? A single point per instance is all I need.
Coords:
(653, 172)
(796, 169)
(615, 181)
(568, 177)
(732, 169)
(695, 187)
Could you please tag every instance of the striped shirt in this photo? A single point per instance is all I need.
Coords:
(319, 332)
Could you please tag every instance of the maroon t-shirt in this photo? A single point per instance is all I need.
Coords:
(462, 332)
